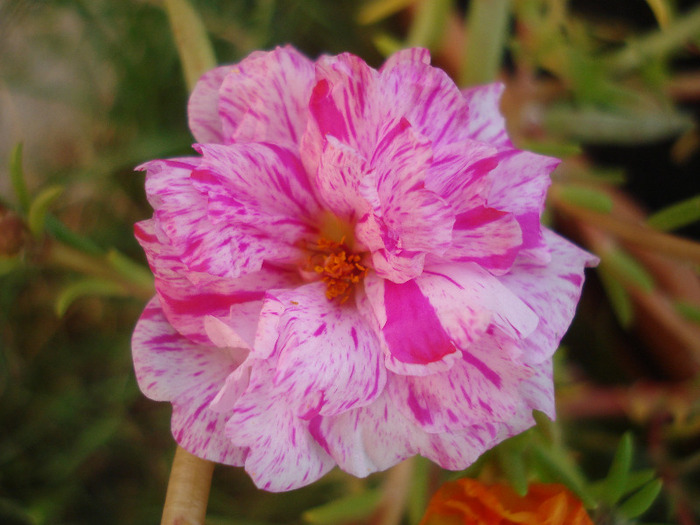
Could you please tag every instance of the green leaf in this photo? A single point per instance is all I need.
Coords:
(376, 10)
(639, 503)
(9, 264)
(86, 287)
(689, 311)
(623, 266)
(135, 272)
(487, 30)
(343, 510)
(386, 44)
(552, 462)
(636, 479)
(428, 26)
(615, 484)
(36, 217)
(586, 197)
(677, 215)
(193, 45)
(63, 233)
(512, 461)
(17, 177)
(619, 298)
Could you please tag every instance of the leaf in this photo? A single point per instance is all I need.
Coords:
(343, 510)
(17, 177)
(36, 217)
(677, 215)
(487, 27)
(615, 484)
(639, 478)
(377, 10)
(193, 45)
(619, 298)
(428, 25)
(639, 503)
(689, 311)
(9, 264)
(133, 271)
(586, 197)
(86, 287)
(623, 266)
(555, 464)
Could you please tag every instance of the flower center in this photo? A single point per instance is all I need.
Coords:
(339, 267)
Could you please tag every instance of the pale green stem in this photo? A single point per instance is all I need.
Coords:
(658, 43)
(487, 27)
(193, 45)
(428, 24)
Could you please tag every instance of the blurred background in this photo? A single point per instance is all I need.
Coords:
(91, 88)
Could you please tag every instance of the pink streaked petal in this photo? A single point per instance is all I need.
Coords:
(468, 299)
(329, 359)
(283, 455)
(538, 390)
(520, 183)
(551, 291)
(411, 55)
(407, 340)
(340, 172)
(459, 172)
(486, 236)
(257, 187)
(237, 329)
(264, 98)
(428, 98)
(415, 218)
(171, 368)
(480, 388)
(398, 267)
(203, 106)
(342, 105)
(486, 122)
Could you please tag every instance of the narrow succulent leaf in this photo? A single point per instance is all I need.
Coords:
(86, 287)
(377, 10)
(619, 298)
(616, 481)
(9, 264)
(428, 25)
(553, 463)
(596, 126)
(637, 479)
(487, 25)
(36, 218)
(689, 311)
(343, 510)
(512, 462)
(193, 45)
(662, 11)
(623, 265)
(386, 44)
(135, 272)
(63, 233)
(418, 495)
(640, 502)
(677, 215)
(586, 197)
(17, 177)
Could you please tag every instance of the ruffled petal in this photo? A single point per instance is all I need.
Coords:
(486, 122)
(329, 359)
(520, 182)
(486, 236)
(551, 291)
(171, 368)
(203, 106)
(282, 454)
(264, 98)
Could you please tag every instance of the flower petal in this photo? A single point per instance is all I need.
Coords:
(551, 291)
(203, 106)
(282, 453)
(486, 122)
(171, 368)
(264, 98)
(329, 359)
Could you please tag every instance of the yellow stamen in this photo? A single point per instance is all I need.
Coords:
(339, 268)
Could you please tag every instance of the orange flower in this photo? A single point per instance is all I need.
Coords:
(468, 502)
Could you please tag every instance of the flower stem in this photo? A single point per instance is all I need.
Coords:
(487, 30)
(188, 490)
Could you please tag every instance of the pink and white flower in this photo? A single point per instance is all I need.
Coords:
(351, 271)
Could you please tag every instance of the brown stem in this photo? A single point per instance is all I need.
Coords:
(188, 490)
(396, 487)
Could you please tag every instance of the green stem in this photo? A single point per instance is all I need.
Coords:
(487, 25)
(658, 43)
(428, 24)
(137, 282)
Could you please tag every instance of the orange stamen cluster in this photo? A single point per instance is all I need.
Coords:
(339, 268)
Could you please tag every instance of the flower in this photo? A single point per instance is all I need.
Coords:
(351, 271)
(469, 502)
